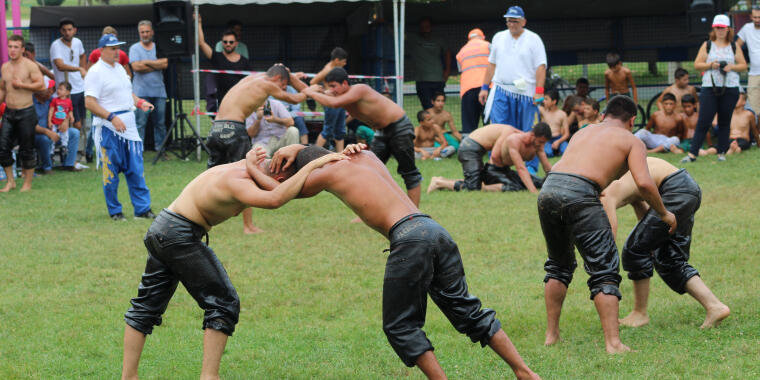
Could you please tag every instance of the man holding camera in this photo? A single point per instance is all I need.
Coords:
(271, 127)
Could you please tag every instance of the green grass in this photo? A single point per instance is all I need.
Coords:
(311, 287)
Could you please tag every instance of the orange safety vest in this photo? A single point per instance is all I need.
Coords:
(473, 62)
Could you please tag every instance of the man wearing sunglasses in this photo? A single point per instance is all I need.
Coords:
(228, 59)
(69, 65)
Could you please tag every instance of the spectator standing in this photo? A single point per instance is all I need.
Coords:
(95, 54)
(721, 62)
(228, 59)
(45, 137)
(472, 60)
(299, 121)
(20, 79)
(517, 67)
(271, 127)
(334, 126)
(431, 60)
(109, 97)
(29, 53)
(750, 34)
(237, 27)
(148, 83)
(69, 65)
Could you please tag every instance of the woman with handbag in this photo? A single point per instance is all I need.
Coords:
(721, 62)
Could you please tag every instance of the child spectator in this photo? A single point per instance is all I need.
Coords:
(743, 122)
(618, 80)
(590, 113)
(365, 135)
(574, 109)
(557, 120)
(425, 137)
(679, 88)
(443, 118)
(334, 127)
(60, 115)
(581, 92)
(690, 117)
(666, 126)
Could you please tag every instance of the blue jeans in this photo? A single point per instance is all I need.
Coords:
(551, 152)
(335, 124)
(157, 116)
(43, 144)
(120, 155)
(709, 105)
(301, 125)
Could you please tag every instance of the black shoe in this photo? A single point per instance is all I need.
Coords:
(88, 158)
(118, 217)
(147, 215)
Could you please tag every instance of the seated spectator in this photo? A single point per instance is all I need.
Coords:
(299, 121)
(236, 27)
(573, 107)
(590, 113)
(271, 127)
(689, 118)
(581, 92)
(679, 88)
(557, 120)
(29, 54)
(365, 135)
(95, 54)
(60, 115)
(509, 146)
(666, 128)
(443, 118)
(45, 138)
(425, 137)
(743, 122)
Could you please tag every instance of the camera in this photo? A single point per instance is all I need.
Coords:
(722, 64)
(267, 109)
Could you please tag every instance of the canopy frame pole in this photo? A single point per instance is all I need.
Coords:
(196, 84)
(402, 24)
(396, 60)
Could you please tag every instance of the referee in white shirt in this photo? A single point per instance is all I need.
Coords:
(108, 95)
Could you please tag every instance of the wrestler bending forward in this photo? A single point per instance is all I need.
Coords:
(177, 254)
(571, 214)
(649, 247)
(423, 258)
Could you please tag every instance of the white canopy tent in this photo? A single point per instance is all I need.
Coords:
(398, 42)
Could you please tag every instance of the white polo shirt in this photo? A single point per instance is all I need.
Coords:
(517, 59)
(751, 36)
(110, 86)
(70, 56)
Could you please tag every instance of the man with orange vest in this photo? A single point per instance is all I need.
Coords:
(472, 60)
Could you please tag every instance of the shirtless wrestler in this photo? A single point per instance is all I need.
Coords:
(571, 214)
(649, 247)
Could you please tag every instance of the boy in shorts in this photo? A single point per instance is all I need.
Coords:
(618, 80)
(557, 120)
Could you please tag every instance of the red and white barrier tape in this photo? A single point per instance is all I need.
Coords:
(299, 113)
(242, 72)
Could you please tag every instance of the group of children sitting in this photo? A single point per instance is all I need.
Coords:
(669, 129)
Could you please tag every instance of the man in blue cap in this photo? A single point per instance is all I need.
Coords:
(517, 68)
(108, 95)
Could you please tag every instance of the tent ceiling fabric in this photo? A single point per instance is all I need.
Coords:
(263, 2)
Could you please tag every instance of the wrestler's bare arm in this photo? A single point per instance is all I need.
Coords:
(609, 203)
(246, 191)
(2, 91)
(637, 164)
(753, 128)
(280, 94)
(513, 148)
(353, 95)
(640, 208)
(544, 160)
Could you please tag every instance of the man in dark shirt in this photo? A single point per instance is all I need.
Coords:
(228, 59)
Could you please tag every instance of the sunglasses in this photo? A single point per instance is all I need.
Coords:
(228, 42)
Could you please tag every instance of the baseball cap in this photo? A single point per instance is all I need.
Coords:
(475, 33)
(109, 40)
(515, 12)
(721, 21)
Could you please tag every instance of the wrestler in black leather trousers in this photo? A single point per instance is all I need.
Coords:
(18, 125)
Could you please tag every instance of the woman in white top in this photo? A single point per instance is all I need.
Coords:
(721, 62)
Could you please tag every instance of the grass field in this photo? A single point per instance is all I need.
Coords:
(310, 287)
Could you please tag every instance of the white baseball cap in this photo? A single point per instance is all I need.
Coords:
(721, 21)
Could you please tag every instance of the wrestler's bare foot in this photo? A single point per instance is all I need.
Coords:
(528, 375)
(356, 220)
(551, 338)
(715, 315)
(617, 348)
(635, 319)
(10, 185)
(250, 230)
(434, 184)
(25, 188)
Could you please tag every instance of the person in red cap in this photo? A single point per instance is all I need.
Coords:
(472, 60)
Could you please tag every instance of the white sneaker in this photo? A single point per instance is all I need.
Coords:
(80, 166)
(721, 157)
